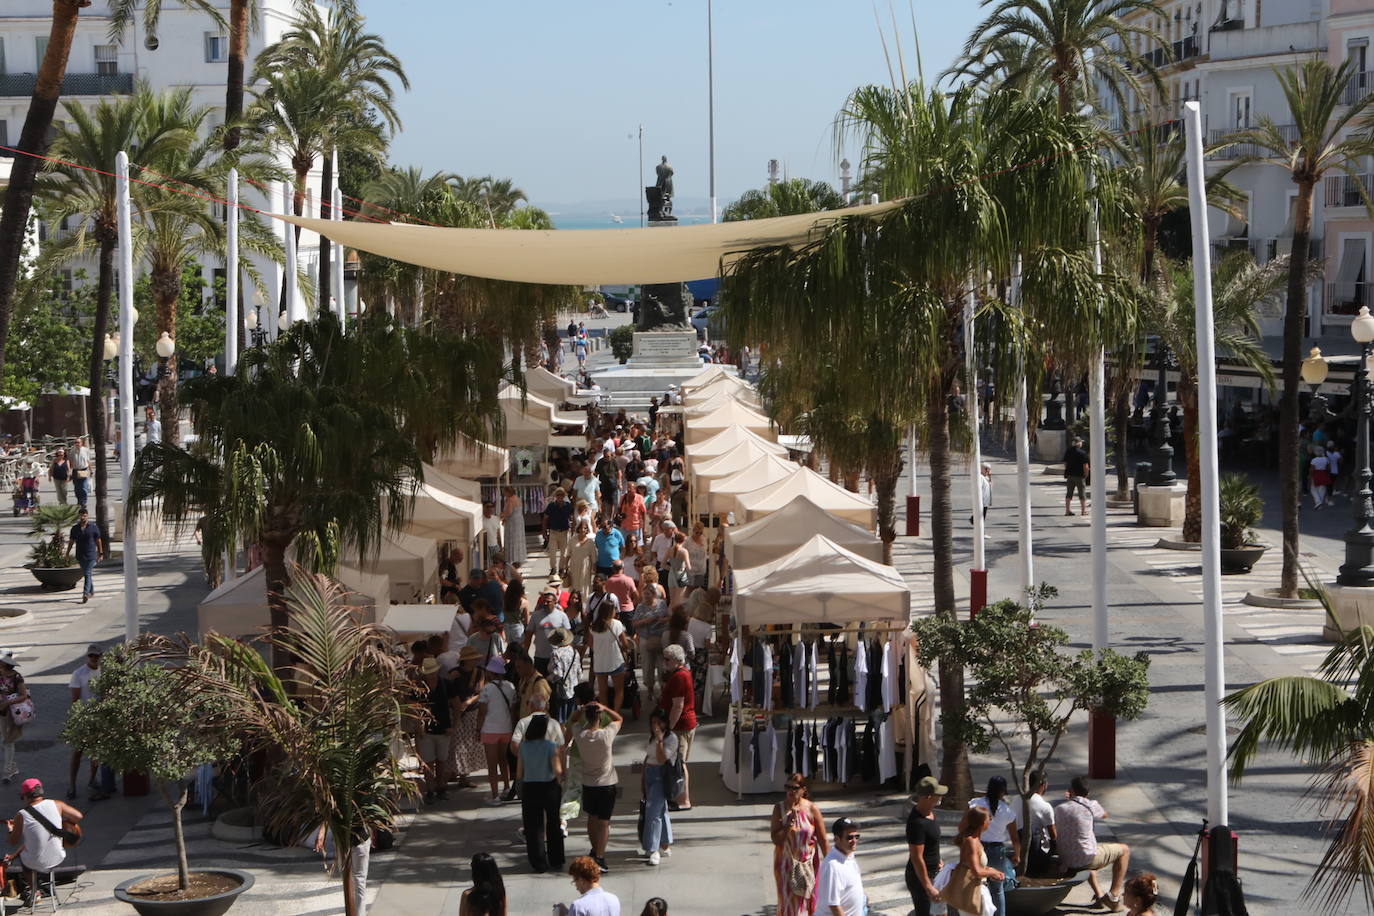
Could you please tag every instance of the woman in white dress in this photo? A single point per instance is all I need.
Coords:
(513, 516)
(582, 559)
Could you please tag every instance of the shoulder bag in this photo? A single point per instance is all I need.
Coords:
(22, 712)
(964, 891)
(69, 837)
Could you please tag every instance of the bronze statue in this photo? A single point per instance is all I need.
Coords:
(660, 196)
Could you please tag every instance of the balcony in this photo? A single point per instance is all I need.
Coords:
(1265, 250)
(1175, 53)
(1349, 190)
(1220, 135)
(1346, 298)
(1360, 85)
(1292, 38)
(20, 85)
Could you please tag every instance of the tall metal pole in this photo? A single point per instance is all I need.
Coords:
(293, 297)
(1097, 430)
(231, 276)
(976, 456)
(1025, 557)
(337, 265)
(1214, 661)
(126, 390)
(711, 104)
(639, 192)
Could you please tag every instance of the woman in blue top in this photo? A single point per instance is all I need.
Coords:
(540, 773)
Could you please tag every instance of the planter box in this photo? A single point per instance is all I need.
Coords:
(1240, 559)
(57, 578)
(205, 906)
(1036, 901)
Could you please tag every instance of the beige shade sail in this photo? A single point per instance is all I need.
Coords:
(723, 491)
(470, 459)
(820, 582)
(727, 439)
(740, 458)
(781, 532)
(732, 414)
(831, 497)
(586, 258)
(238, 608)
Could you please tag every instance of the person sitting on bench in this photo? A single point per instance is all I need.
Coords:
(41, 830)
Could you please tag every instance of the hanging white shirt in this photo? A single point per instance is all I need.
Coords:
(860, 674)
(736, 675)
(767, 677)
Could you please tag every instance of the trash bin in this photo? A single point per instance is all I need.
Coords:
(1142, 474)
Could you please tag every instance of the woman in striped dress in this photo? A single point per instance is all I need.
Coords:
(800, 843)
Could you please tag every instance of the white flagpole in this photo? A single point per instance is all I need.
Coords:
(293, 296)
(231, 275)
(1214, 659)
(976, 454)
(337, 265)
(126, 390)
(1023, 488)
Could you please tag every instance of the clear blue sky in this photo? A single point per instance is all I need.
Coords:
(551, 93)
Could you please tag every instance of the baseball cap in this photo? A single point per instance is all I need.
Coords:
(30, 786)
(95, 648)
(845, 825)
(929, 786)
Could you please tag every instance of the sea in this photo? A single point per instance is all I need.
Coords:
(630, 220)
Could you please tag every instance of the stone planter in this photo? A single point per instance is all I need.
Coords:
(1240, 559)
(57, 578)
(1036, 901)
(214, 905)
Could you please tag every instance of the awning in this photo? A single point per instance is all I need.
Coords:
(732, 414)
(719, 399)
(723, 491)
(470, 458)
(819, 582)
(831, 497)
(238, 608)
(441, 515)
(416, 621)
(740, 458)
(727, 439)
(586, 258)
(707, 375)
(782, 532)
(530, 419)
(721, 383)
(410, 562)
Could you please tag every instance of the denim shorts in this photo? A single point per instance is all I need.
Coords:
(615, 672)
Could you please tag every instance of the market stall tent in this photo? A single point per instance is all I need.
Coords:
(718, 400)
(238, 608)
(410, 562)
(831, 497)
(439, 515)
(781, 532)
(819, 582)
(720, 384)
(471, 458)
(732, 414)
(708, 375)
(530, 419)
(740, 458)
(556, 388)
(727, 439)
(723, 492)
(416, 621)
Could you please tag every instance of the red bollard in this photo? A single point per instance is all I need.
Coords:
(978, 591)
(1101, 744)
(913, 516)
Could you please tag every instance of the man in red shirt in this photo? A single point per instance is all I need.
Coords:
(679, 700)
(623, 587)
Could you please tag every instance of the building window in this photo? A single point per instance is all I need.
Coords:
(106, 60)
(40, 45)
(2, 54)
(1241, 105)
(216, 48)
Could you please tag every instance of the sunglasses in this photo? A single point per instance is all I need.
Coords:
(852, 836)
(794, 788)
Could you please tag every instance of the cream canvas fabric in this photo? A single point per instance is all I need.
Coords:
(831, 497)
(471, 459)
(239, 606)
(740, 458)
(586, 258)
(779, 533)
(727, 439)
(722, 492)
(722, 418)
(722, 384)
(819, 582)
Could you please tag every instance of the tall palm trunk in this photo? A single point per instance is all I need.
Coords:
(326, 200)
(954, 769)
(166, 288)
(238, 60)
(1192, 506)
(346, 866)
(14, 216)
(1293, 320)
(95, 402)
(885, 471)
(273, 547)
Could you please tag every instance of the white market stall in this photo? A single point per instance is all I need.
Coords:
(556, 388)
(819, 582)
(238, 608)
(716, 399)
(831, 497)
(708, 375)
(700, 428)
(439, 515)
(779, 533)
(741, 457)
(727, 439)
(722, 493)
(416, 621)
(471, 459)
(729, 384)
(531, 421)
(410, 562)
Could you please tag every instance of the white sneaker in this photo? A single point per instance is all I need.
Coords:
(654, 857)
(493, 801)
(666, 851)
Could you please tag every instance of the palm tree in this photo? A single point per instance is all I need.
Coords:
(328, 721)
(497, 198)
(317, 443)
(79, 185)
(1319, 142)
(1326, 720)
(334, 42)
(1070, 40)
(795, 195)
(1240, 290)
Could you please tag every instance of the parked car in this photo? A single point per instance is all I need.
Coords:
(618, 303)
(708, 323)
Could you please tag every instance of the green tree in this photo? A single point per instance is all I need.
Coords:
(795, 195)
(1026, 687)
(328, 721)
(52, 349)
(79, 185)
(316, 445)
(1321, 141)
(142, 720)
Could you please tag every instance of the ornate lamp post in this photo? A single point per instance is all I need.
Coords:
(166, 348)
(1161, 452)
(1358, 569)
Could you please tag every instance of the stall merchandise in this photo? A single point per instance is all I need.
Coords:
(779, 533)
(831, 497)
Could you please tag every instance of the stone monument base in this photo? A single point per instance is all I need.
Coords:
(665, 350)
(1049, 444)
(1162, 507)
(1351, 607)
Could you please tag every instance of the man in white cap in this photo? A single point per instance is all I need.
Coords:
(663, 544)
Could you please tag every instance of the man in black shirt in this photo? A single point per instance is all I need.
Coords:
(557, 523)
(923, 841)
(450, 580)
(1076, 470)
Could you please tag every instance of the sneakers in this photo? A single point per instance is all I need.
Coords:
(1109, 902)
(666, 851)
(601, 864)
(493, 801)
(654, 857)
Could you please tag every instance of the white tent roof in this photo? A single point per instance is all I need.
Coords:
(238, 608)
(831, 497)
(530, 419)
(819, 582)
(707, 376)
(727, 439)
(411, 563)
(588, 258)
(720, 398)
(441, 515)
(552, 387)
(722, 384)
(781, 532)
(413, 621)
(470, 458)
(732, 414)
(724, 490)
(741, 457)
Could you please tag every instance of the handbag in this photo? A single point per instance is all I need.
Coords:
(22, 713)
(674, 777)
(964, 892)
(639, 825)
(801, 877)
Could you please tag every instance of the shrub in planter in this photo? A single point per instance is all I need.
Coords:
(50, 524)
(143, 719)
(1241, 510)
(623, 342)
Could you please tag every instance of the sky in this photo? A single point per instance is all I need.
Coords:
(552, 93)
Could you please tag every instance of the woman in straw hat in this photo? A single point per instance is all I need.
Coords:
(465, 754)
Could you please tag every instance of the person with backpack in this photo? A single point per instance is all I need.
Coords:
(565, 673)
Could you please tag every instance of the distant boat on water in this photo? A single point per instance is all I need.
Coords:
(616, 219)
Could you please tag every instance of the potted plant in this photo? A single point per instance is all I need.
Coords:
(142, 719)
(622, 342)
(1241, 508)
(50, 564)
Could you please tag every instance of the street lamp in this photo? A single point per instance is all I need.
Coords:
(1358, 569)
(282, 321)
(1162, 454)
(166, 348)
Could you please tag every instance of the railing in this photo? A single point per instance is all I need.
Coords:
(1176, 52)
(1345, 190)
(73, 84)
(1346, 298)
(1267, 249)
(1220, 135)
(1360, 85)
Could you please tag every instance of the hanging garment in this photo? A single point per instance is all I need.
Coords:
(860, 675)
(868, 753)
(814, 758)
(889, 676)
(767, 666)
(887, 751)
(785, 669)
(873, 698)
(755, 752)
(799, 674)
(815, 693)
(756, 672)
(770, 750)
(736, 674)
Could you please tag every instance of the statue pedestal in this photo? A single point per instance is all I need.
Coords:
(1049, 445)
(1162, 507)
(665, 350)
